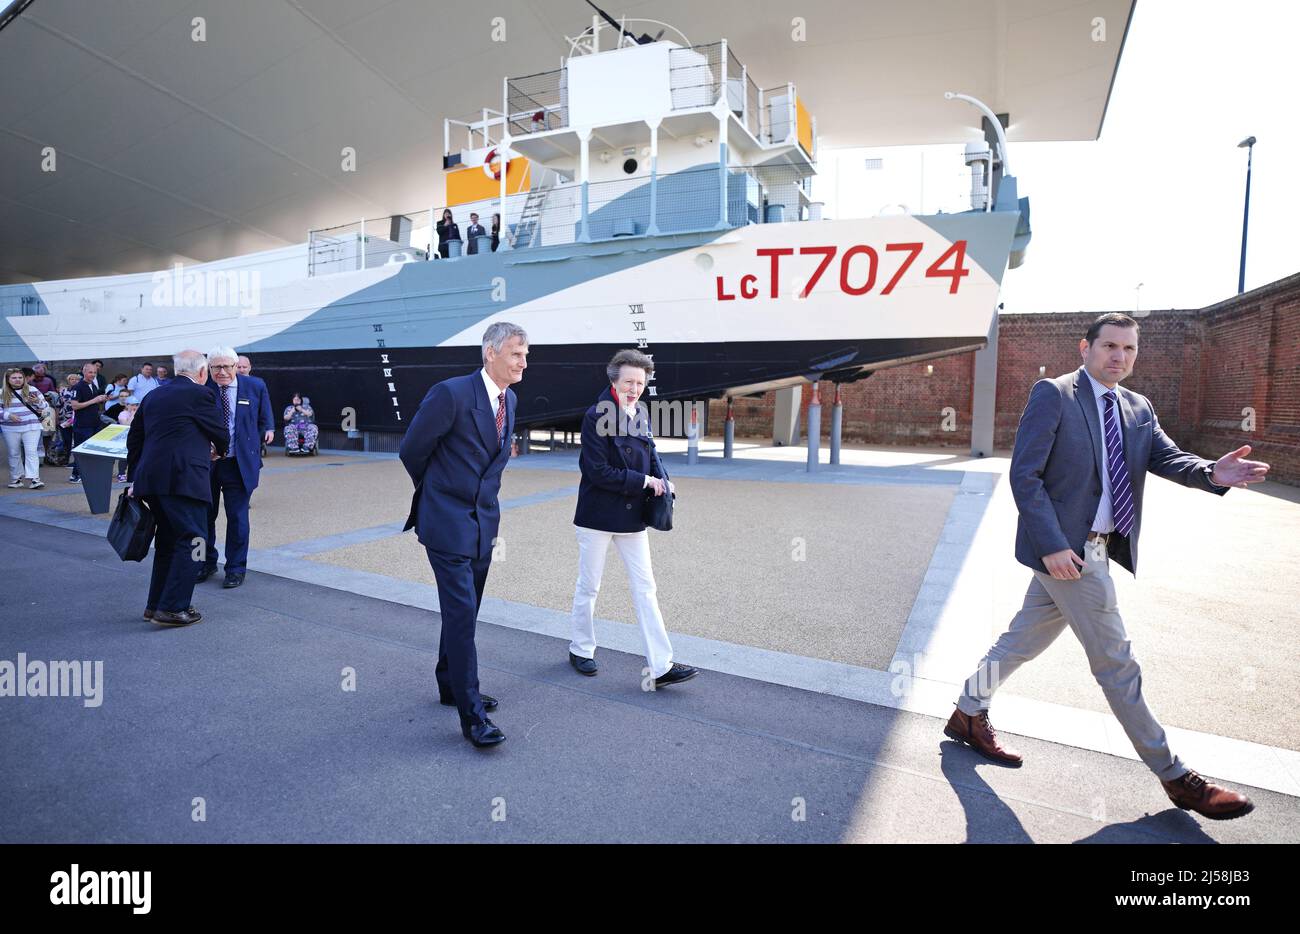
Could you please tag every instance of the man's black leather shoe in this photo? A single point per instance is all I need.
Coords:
(676, 675)
(183, 618)
(586, 666)
(205, 573)
(489, 702)
(148, 613)
(482, 734)
(232, 580)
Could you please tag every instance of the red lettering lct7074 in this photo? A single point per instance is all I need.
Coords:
(859, 267)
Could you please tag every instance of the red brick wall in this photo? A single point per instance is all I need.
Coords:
(1168, 356)
(1200, 369)
(1250, 353)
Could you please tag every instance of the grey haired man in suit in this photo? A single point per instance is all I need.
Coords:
(1082, 453)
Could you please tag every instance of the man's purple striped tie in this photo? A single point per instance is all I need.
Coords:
(1121, 491)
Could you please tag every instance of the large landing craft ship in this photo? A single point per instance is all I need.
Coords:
(651, 195)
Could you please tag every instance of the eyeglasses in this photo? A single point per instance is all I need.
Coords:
(222, 366)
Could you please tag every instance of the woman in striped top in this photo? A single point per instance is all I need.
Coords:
(21, 408)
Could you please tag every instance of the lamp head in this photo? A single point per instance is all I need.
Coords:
(1247, 142)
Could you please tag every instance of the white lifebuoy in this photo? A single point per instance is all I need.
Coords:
(505, 154)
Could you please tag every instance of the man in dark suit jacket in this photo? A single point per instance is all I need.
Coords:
(455, 450)
(244, 370)
(168, 452)
(473, 232)
(246, 411)
(1083, 449)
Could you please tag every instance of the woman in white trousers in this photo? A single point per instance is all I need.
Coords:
(617, 464)
(21, 408)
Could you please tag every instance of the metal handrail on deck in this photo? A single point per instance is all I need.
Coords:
(537, 102)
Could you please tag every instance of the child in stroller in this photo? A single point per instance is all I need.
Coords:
(300, 430)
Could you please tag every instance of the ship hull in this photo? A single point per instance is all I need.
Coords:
(723, 312)
(561, 380)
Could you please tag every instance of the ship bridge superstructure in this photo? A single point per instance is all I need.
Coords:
(635, 139)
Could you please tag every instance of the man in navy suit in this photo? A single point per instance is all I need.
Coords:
(1083, 450)
(173, 436)
(244, 369)
(473, 232)
(455, 450)
(246, 412)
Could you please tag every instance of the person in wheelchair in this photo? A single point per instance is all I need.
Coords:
(300, 431)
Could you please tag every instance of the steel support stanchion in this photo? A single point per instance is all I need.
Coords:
(693, 435)
(729, 431)
(837, 424)
(814, 427)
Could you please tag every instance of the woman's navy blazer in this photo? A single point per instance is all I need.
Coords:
(615, 459)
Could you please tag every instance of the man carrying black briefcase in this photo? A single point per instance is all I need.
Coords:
(174, 436)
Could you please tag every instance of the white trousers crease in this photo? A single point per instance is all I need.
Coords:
(24, 453)
(634, 548)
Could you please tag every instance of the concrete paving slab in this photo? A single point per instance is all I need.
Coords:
(246, 711)
(774, 566)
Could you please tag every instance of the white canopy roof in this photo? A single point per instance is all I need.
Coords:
(172, 150)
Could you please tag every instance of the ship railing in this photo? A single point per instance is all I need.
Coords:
(369, 242)
(481, 130)
(535, 103)
(558, 211)
(784, 191)
(753, 110)
(699, 76)
(691, 200)
(777, 118)
(695, 75)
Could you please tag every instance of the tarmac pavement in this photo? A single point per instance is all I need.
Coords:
(245, 717)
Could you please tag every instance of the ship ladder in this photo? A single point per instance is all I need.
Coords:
(529, 219)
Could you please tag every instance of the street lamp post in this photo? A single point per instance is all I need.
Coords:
(1137, 300)
(1249, 144)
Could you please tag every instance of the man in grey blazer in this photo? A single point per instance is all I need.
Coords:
(1082, 453)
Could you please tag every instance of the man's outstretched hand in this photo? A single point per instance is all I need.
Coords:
(1233, 470)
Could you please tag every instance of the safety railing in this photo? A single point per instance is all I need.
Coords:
(481, 130)
(367, 243)
(778, 114)
(735, 85)
(753, 116)
(552, 213)
(539, 102)
(695, 75)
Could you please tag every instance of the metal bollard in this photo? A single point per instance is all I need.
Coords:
(729, 431)
(693, 436)
(814, 427)
(837, 424)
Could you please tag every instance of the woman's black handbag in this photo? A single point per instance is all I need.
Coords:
(657, 511)
(132, 529)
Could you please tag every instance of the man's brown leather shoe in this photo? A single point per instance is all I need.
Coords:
(978, 733)
(183, 618)
(1193, 793)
